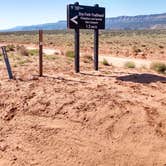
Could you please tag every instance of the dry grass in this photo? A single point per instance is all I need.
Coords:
(70, 54)
(1, 57)
(130, 65)
(105, 63)
(159, 67)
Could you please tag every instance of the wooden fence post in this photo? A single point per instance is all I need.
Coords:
(40, 53)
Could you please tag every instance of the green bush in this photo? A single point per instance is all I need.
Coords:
(105, 62)
(33, 52)
(159, 67)
(70, 54)
(130, 64)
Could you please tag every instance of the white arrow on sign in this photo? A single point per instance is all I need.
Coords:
(74, 19)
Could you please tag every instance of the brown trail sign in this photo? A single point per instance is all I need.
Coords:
(85, 17)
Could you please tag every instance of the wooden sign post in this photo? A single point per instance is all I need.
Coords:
(77, 50)
(85, 17)
(96, 49)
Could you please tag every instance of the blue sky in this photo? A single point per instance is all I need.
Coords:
(29, 12)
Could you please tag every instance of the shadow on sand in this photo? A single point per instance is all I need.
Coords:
(96, 75)
(64, 79)
(142, 78)
(36, 77)
(135, 78)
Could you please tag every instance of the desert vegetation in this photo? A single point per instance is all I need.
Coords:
(139, 44)
(142, 44)
(130, 64)
(70, 54)
(159, 67)
(105, 62)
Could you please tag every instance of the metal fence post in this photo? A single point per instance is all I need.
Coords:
(77, 50)
(6, 59)
(96, 49)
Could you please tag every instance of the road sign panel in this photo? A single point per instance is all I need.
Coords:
(85, 17)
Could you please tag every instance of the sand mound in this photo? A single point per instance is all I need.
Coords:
(101, 118)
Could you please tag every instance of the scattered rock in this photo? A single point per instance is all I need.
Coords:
(3, 147)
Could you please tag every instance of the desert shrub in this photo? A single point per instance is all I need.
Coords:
(10, 47)
(143, 67)
(160, 46)
(130, 64)
(15, 65)
(33, 52)
(22, 51)
(1, 57)
(136, 50)
(159, 67)
(69, 44)
(51, 43)
(87, 58)
(143, 45)
(24, 61)
(105, 62)
(70, 54)
(50, 57)
(17, 58)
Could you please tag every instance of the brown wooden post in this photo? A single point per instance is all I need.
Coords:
(40, 53)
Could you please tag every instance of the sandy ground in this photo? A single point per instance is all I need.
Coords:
(114, 117)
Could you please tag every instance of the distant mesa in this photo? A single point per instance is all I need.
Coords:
(141, 22)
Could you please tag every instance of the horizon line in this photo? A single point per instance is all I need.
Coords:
(66, 20)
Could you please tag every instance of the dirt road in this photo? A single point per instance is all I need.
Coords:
(112, 60)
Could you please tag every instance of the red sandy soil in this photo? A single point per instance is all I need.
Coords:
(115, 117)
